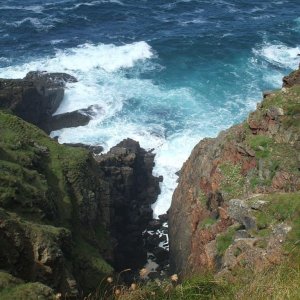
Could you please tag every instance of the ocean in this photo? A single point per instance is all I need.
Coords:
(165, 73)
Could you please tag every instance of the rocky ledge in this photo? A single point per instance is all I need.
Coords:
(233, 203)
(38, 95)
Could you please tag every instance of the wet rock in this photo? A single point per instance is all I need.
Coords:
(128, 170)
(36, 97)
(154, 225)
(75, 118)
(48, 78)
(163, 218)
(160, 254)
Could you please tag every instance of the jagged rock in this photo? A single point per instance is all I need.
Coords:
(163, 218)
(128, 169)
(161, 255)
(154, 225)
(92, 148)
(36, 97)
(75, 118)
(67, 188)
(256, 157)
(291, 79)
(35, 254)
(48, 78)
(240, 212)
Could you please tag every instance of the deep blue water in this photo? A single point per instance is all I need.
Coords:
(166, 73)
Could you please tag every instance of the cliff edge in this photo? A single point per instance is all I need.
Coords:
(238, 193)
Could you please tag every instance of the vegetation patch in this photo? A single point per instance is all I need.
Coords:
(224, 240)
(232, 183)
(207, 222)
(262, 145)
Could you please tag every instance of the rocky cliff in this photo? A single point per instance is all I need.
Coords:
(37, 96)
(231, 206)
(66, 215)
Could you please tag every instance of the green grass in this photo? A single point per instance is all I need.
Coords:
(279, 208)
(232, 183)
(224, 240)
(262, 145)
(33, 178)
(42, 186)
(207, 222)
(28, 291)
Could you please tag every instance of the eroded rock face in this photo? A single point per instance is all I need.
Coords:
(35, 97)
(63, 215)
(128, 169)
(291, 79)
(258, 156)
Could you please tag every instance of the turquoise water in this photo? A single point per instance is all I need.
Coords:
(166, 73)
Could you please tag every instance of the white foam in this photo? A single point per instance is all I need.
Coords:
(169, 159)
(40, 24)
(279, 55)
(108, 57)
(84, 58)
(33, 8)
(93, 3)
(297, 24)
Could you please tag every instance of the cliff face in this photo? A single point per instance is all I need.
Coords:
(66, 215)
(128, 170)
(247, 162)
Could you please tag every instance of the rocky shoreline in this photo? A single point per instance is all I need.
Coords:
(70, 215)
(114, 198)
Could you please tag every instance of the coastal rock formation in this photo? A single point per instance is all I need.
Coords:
(64, 215)
(35, 97)
(128, 170)
(74, 118)
(257, 157)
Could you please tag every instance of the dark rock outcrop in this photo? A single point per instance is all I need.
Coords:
(128, 169)
(260, 156)
(291, 79)
(92, 148)
(35, 97)
(74, 118)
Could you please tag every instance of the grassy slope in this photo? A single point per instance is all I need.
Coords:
(41, 184)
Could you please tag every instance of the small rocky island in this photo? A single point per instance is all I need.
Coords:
(71, 216)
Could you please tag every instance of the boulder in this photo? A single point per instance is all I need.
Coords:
(291, 79)
(240, 212)
(74, 118)
(36, 97)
